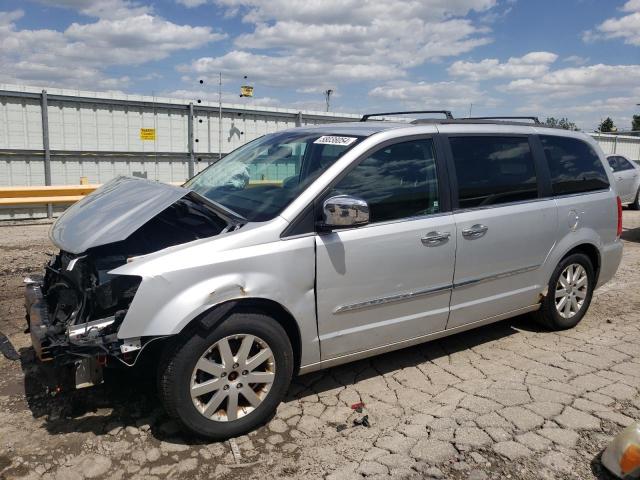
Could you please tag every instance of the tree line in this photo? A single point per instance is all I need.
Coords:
(606, 126)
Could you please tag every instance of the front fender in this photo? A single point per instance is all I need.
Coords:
(281, 271)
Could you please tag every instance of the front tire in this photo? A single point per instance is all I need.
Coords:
(226, 382)
(569, 295)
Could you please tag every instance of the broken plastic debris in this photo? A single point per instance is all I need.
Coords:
(358, 406)
(341, 427)
(622, 456)
(364, 421)
(235, 450)
(7, 348)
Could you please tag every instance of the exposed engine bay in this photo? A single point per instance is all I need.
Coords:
(75, 309)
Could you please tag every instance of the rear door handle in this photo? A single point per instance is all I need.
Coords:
(433, 239)
(475, 231)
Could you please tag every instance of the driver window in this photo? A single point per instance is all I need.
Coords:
(398, 181)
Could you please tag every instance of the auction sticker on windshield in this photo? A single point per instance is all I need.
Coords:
(333, 140)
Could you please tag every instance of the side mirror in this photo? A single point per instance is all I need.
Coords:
(344, 211)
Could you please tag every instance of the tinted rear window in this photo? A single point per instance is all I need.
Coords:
(574, 165)
(492, 170)
(624, 164)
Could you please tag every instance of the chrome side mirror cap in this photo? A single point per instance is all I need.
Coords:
(343, 211)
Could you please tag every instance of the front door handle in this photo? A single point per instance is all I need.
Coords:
(475, 231)
(433, 239)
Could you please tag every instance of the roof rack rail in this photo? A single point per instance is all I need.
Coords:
(446, 113)
(533, 119)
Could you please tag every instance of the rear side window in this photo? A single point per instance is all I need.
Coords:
(398, 181)
(493, 169)
(574, 165)
(624, 164)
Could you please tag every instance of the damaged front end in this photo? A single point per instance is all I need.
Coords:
(75, 309)
(73, 315)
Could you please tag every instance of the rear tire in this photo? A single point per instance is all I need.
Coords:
(569, 295)
(205, 379)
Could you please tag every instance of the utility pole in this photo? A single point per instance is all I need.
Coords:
(44, 106)
(191, 164)
(327, 94)
(470, 108)
(220, 116)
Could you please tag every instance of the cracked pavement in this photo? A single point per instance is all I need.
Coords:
(508, 400)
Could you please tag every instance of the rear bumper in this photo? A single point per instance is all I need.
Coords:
(610, 258)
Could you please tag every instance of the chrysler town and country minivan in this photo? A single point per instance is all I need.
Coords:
(320, 245)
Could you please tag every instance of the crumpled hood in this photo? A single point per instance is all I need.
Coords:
(112, 213)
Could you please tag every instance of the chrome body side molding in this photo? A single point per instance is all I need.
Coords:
(399, 297)
(392, 298)
(495, 276)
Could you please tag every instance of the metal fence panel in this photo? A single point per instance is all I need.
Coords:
(96, 136)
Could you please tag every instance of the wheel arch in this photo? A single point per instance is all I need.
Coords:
(214, 316)
(592, 252)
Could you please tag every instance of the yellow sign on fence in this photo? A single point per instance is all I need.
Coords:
(147, 134)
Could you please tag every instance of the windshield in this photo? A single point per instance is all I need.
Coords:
(259, 179)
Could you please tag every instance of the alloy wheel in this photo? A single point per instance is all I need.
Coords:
(233, 377)
(571, 290)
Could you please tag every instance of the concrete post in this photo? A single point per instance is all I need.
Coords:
(44, 108)
(299, 119)
(191, 164)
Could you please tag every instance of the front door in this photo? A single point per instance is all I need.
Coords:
(504, 230)
(390, 280)
(626, 179)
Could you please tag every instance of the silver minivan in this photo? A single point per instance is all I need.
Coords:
(316, 246)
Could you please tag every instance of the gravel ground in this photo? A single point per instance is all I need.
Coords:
(507, 400)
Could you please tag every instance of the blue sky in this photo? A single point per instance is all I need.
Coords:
(574, 58)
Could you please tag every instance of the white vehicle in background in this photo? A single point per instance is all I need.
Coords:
(627, 177)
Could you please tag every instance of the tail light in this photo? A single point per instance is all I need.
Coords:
(619, 216)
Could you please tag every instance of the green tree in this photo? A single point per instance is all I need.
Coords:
(635, 123)
(607, 125)
(560, 123)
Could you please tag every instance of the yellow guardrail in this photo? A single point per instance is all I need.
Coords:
(25, 196)
(66, 194)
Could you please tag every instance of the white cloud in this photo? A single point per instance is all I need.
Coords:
(287, 70)
(192, 3)
(321, 43)
(576, 81)
(631, 6)
(626, 27)
(346, 11)
(79, 56)
(576, 60)
(531, 64)
(438, 95)
(101, 8)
